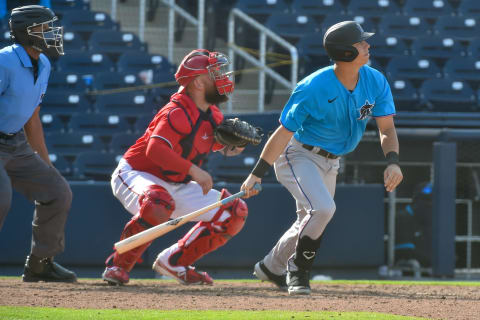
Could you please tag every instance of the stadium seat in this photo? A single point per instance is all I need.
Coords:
(312, 53)
(464, 68)
(404, 94)
(87, 22)
(125, 103)
(448, 95)
(60, 7)
(94, 165)
(437, 47)
(473, 48)
(99, 124)
(387, 46)
(318, 9)
(65, 103)
(105, 81)
(365, 22)
(61, 164)
(469, 8)
(291, 26)
(460, 28)
(142, 123)
(412, 68)
(64, 82)
(374, 9)
(115, 42)
(5, 38)
(403, 27)
(73, 42)
(260, 10)
(142, 61)
(427, 8)
(122, 141)
(165, 84)
(51, 122)
(71, 144)
(87, 63)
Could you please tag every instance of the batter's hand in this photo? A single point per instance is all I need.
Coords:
(202, 177)
(392, 177)
(248, 184)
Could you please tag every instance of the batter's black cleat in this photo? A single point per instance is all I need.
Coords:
(44, 269)
(298, 282)
(262, 273)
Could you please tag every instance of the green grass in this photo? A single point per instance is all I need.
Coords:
(27, 313)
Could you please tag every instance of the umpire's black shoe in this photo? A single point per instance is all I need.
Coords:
(298, 282)
(44, 269)
(261, 272)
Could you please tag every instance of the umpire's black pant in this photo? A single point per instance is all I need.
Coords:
(22, 169)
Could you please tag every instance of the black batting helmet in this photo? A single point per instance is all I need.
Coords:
(340, 37)
(35, 26)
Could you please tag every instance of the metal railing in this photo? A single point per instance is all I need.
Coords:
(199, 22)
(141, 17)
(261, 61)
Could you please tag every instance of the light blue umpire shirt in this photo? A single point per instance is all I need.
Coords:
(19, 94)
(323, 113)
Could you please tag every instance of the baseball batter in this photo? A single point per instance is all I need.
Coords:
(160, 176)
(324, 119)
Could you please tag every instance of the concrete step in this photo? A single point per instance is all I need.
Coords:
(247, 100)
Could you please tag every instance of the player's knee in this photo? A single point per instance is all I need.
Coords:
(156, 205)
(61, 195)
(326, 211)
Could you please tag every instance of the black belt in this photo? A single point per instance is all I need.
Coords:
(7, 136)
(321, 152)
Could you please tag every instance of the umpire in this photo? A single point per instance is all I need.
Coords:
(24, 161)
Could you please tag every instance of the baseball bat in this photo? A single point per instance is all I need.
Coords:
(163, 228)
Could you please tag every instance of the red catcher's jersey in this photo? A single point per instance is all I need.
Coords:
(169, 126)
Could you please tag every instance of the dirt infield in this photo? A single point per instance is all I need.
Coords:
(435, 302)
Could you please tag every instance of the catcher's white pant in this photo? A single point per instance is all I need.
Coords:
(128, 185)
(311, 179)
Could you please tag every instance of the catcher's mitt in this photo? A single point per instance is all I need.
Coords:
(238, 133)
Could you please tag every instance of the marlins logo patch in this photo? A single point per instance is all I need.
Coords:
(366, 110)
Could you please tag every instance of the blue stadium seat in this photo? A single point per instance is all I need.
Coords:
(412, 68)
(437, 47)
(473, 48)
(87, 22)
(94, 165)
(262, 9)
(141, 61)
(427, 8)
(312, 53)
(122, 141)
(165, 84)
(65, 103)
(65, 82)
(51, 122)
(375, 9)
(460, 28)
(463, 68)
(142, 123)
(62, 6)
(115, 42)
(365, 22)
(469, 8)
(61, 164)
(73, 42)
(384, 46)
(448, 95)
(318, 9)
(87, 63)
(292, 26)
(403, 27)
(99, 124)
(105, 81)
(404, 94)
(71, 144)
(5, 38)
(126, 103)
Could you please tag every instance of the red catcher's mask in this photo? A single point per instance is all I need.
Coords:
(202, 61)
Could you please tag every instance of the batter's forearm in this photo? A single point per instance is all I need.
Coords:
(276, 144)
(389, 141)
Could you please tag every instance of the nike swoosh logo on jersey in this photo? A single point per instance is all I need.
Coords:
(331, 100)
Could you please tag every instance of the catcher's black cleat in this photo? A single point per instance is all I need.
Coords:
(298, 282)
(261, 272)
(44, 269)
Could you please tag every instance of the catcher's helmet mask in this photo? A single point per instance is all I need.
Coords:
(339, 39)
(37, 27)
(202, 61)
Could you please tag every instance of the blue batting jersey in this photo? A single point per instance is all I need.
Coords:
(19, 94)
(323, 113)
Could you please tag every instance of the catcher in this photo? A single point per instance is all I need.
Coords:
(160, 176)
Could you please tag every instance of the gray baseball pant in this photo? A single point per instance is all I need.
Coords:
(22, 169)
